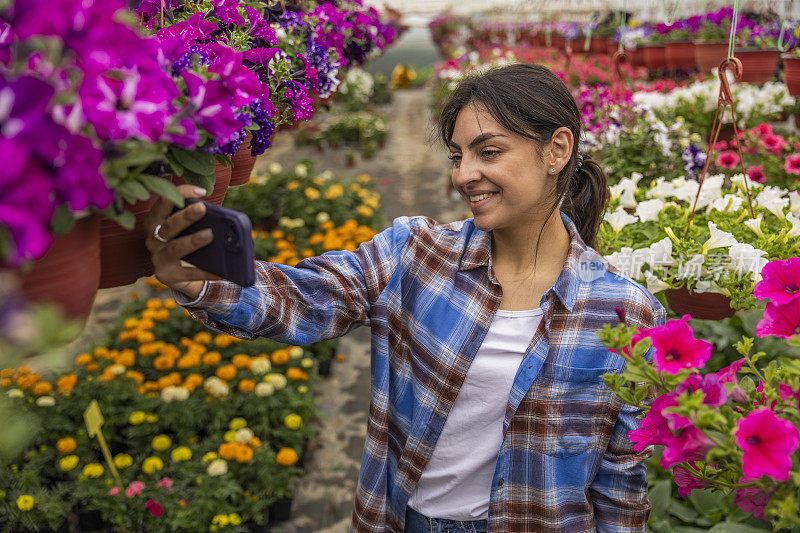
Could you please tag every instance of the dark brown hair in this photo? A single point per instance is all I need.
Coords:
(532, 102)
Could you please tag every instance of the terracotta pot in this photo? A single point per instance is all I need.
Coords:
(707, 305)
(123, 256)
(758, 66)
(223, 180)
(558, 42)
(597, 45)
(69, 273)
(637, 57)
(242, 163)
(791, 73)
(709, 55)
(655, 56)
(680, 55)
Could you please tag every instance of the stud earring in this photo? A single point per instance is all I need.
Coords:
(553, 170)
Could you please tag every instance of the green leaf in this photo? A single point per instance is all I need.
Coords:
(733, 527)
(63, 221)
(201, 180)
(198, 162)
(706, 502)
(660, 497)
(683, 511)
(163, 187)
(133, 190)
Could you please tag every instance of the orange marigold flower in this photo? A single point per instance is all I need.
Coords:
(227, 450)
(185, 342)
(147, 323)
(187, 361)
(163, 362)
(92, 367)
(7, 373)
(170, 304)
(130, 323)
(150, 386)
(125, 358)
(193, 379)
(162, 314)
(286, 457)
(83, 359)
(212, 358)
(164, 382)
(202, 337)
(244, 453)
(254, 442)
(145, 336)
(5, 382)
(241, 360)
(135, 376)
(66, 445)
(226, 372)
(175, 378)
(247, 385)
(66, 382)
(153, 303)
(294, 373)
(27, 381)
(280, 357)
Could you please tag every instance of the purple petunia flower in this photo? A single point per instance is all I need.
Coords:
(302, 104)
(693, 159)
(212, 107)
(228, 12)
(239, 79)
(262, 111)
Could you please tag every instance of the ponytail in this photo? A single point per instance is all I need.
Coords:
(585, 199)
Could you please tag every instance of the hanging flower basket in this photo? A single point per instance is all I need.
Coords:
(223, 180)
(680, 55)
(708, 56)
(69, 273)
(791, 73)
(123, 256)
(706, 305)
(758, 66)
(637, 56)
(655, 56)
(242, 163)
(597, 45)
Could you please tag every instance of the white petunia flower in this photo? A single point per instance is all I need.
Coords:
(775, 206)
(795, 222)
(275, 168)
(619, 219)
(628, 262)
(655, 284)
(718, 239)
(794, 198)
(662, 189)
(739, 179)
(755, 225)
(747, 259)
(649, 209)
(728, 203)
(301, 170)
(705, 285)
(693, 268)
(660, 254)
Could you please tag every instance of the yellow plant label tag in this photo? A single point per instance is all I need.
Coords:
(94, 421)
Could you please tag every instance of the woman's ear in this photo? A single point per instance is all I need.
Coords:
(561, 148)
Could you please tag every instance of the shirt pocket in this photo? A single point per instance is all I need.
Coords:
(576, 411)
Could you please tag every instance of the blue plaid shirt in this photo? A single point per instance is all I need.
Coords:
(428, 292)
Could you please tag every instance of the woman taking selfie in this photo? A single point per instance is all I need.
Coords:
(488, 410)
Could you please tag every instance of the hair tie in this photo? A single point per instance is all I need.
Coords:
(579, 164)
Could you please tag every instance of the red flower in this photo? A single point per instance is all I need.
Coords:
(154, 507)
(756, 173)
(728, 159)
(773, 143)
(792, 164)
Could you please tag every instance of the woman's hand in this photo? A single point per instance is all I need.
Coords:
(166, 256)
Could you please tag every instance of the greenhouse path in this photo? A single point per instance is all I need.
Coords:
(412, 176)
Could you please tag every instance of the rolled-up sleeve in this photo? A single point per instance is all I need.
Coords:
(319, 298)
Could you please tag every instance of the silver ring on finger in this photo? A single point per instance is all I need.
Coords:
(157, 236)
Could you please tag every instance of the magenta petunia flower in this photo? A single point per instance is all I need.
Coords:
(688, 444)
(788, 393)
(756, 173)
(686, 481)
(768, 443)
(728, 374)
(710, 384)
(154, 507)
(780, 320)
(720, 146)
(212, 107)
(259, 27)
(228, 11)
(240, 80)
(780, 281)
(792, 164)
(773, 143)
(654, 428)
(676, 348)
(727, 159)
(762, 129)
(752, 499)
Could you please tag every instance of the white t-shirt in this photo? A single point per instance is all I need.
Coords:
(456, 482)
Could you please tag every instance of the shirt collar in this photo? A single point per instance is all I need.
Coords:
(567, 287)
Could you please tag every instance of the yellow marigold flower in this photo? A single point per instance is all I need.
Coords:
(83, 359)
(153, 303)
(229, 435)
(161, 443)
(123, 460)
(293, 421)
(234, 519)
(25, 502)
(130, 323)
(334, 191)
(286, 457)
(203, 337)
(68, 463)
(151, 464)
(292, 185)
(181, 453)
(307, 362)
(152, 418)
(364, 178)
(137, 417)
(66, 445)
(145, 336)
(147, 323)
(162, 314)
(238, 423)
(210, 456)
(220, 520)
(302, 389)
(170, 304)
(311, 193)
(93, 470)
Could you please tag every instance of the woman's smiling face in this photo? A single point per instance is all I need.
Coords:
(491, 160)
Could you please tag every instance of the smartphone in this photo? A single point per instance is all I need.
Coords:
(230, 254)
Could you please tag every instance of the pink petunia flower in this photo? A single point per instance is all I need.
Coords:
(780, 281)
(720, 146)
(773, 144)
(780, 320)
(676, 348)
(686, 481)
(154, 507)
(792, 164)
(113, 491)
(710, 384)
(768, 443)
(689, 444)
(134, 489)
(728, 375)
(752, 499)
(727, 159)
(756, 173)
(165, 483)
(762, 129)
(786, 392)
(655, 426)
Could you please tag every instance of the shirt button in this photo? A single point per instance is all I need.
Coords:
(500, 483)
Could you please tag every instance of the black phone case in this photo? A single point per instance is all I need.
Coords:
(230, 255)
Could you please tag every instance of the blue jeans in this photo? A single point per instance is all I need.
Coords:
(419, 523)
